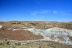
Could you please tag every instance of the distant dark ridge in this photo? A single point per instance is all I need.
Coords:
(39, 21)
(39, 24)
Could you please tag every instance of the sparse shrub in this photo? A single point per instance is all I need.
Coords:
(2, 28)
(18, 43)
(33, 24)
(1, 43)
(70, 37)
(8, 43)
(12, 46)
(39, 46)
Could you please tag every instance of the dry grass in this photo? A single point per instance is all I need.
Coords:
(38, 44)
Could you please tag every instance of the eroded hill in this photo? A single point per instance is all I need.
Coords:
(18, 35)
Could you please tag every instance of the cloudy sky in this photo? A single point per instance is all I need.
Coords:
(36, 10)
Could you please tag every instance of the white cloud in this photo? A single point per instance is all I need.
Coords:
(54, 12)
(50, 13)
(43, 12)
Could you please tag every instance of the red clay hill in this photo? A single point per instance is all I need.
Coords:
(18, 35)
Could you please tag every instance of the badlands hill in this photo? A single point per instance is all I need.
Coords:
(33, 24)
(37, 34)
(18, 35)
(52, 31)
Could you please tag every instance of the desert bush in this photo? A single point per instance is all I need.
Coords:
(8, 43)
(19, 43)
(1, 43)
(70, 37)
(3, 28)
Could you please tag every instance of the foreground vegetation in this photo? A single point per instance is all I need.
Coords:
(36, 44)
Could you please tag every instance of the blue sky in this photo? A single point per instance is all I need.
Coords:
(36, 10)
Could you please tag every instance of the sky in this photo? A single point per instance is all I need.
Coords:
(36, 10)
